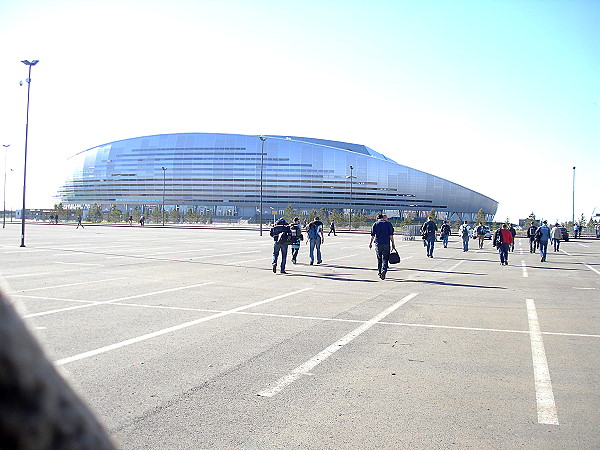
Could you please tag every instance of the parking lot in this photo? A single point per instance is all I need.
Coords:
(185, 338)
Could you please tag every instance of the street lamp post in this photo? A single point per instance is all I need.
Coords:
(351, 185)
(4, 191)
(164, 169)
(30, 64)
(262, 159)
(573, 195)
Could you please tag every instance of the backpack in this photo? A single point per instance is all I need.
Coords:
(285, 237)
(465, 231)
(313, 231)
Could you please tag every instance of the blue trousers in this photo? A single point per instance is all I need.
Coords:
(503, 250)
(445, 240)
(465, 243)
(277, 247)
(543, 249)
(430, 244)
(383, 257)
(315, 243)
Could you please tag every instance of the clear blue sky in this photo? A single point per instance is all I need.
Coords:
(499, 96)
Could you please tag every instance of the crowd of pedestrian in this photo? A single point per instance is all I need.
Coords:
(382, 235)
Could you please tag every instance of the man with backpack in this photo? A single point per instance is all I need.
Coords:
(315, 239)
(282, 237)
(428, 230)
(464, 233)
(531, 231)
(445, 232)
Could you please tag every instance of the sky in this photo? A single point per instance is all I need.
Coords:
(501, 97)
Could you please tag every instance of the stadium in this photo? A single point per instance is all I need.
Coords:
(229, 174)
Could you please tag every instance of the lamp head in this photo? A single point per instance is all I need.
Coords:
(32, 63)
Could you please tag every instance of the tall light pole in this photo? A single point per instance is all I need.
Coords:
(4, 207)
(573, 195)
(30, 64)
(351, 184)
(262, 159)
(164, 169)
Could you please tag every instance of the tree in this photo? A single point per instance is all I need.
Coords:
(408, 219)
(433, 214)
(136, 214)
(115, 214)
(289, 213)
(96, 214)
(530, 220)
(175, 215)
(191, 215)
(480, 217)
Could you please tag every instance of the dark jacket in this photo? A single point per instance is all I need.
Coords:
(280, 226)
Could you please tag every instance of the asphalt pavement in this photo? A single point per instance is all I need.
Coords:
(186, 339)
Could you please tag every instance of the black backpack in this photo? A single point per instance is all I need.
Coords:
(285, 236)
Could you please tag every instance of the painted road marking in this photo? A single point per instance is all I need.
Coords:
(543, 386)
(591, 268)
(66, 285)
(583, 245)
(145, 337)
(524, 267)
(305, 368)
(54, 311)
(456, 265)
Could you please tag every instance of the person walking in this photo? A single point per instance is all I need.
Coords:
(480, 231)
(382, 232)
(280, 245)
(576, 231)
(556, 237)
(79, 224)
(463, 231)
(297, 235)
(445, 232)
(428, 230)
(502, 240)
(315, 238)
(531, 235)
(331, 229)
(512, 230)
(142, 220)
(543, 235)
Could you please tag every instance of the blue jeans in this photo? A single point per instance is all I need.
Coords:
(284, 249)
(315, 243)
(465, 243)
(503, 250)
(383, 257)
(543, 249)
(445, 240)
(430, 244)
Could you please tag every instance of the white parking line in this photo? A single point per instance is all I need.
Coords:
(305, 368)
(524, 267)
(341, 257)
(144, 337)
(147, 294)
(66, 285)
(248, 261)
(583, 245)
(456, 265)
(591, 268)
(543, 386)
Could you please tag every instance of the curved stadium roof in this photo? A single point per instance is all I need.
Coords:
(223, 172)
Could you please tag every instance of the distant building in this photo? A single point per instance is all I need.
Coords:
(221, 174)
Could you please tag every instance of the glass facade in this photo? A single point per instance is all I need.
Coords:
(222, 173)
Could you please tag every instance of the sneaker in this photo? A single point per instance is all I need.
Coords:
(283, 271)
(311, 263)
(382, 276)
(274, 268)
(319, 262)
(294, 261)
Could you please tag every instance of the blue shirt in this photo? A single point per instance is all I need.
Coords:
(544, 232)
(382, 230)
